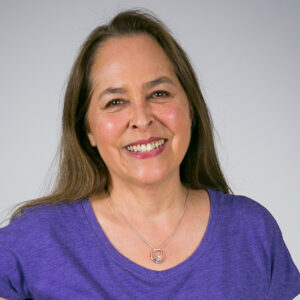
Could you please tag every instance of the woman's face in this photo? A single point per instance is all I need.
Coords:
(138, 99)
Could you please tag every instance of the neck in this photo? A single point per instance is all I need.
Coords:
(150, 202)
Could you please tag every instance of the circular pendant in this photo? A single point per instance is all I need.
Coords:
(157, 256)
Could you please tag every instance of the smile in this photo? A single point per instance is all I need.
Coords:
(144, 148)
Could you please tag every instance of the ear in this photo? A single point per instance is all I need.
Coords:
(92, 139)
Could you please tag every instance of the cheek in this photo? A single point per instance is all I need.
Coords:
(176, 117)
(106, 130)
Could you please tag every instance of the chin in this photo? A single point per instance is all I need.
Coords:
(148, 182)
(152, 179)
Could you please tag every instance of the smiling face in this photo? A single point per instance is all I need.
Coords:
(137, 96)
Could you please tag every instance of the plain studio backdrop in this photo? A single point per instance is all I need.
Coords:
(245, 53)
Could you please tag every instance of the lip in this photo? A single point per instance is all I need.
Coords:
(148, 154)
(149, 140)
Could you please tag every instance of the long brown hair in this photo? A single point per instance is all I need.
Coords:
(82, 172)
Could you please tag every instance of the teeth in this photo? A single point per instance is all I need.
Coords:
(146, 147)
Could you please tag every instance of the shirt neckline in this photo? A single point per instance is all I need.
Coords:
(131, 266)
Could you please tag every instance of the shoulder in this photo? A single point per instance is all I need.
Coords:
(35, 239)
(248, 233)
(240, 206)
(20, 240)
(32, 237)
(36, 224)
(241, 214)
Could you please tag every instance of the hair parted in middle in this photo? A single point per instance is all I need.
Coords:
(82, 172)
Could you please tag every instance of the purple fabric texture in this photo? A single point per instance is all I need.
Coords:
(60, 252)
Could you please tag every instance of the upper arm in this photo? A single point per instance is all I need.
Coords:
(285, 277)
(11, 278)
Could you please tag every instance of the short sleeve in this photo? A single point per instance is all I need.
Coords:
(10, 276)
(7, 291)
(285, 277)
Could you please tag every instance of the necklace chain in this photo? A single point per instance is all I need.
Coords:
(157, 254)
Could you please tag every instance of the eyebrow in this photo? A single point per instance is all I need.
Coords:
(148, 85)
(163, 79)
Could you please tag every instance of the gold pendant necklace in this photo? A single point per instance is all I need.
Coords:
(157, 255)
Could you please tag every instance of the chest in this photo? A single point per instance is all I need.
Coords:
(97, 276)
(175, 242)
(137, 244)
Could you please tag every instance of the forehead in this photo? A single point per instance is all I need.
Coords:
(138, 56)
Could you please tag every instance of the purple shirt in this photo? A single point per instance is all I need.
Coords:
(60, 252)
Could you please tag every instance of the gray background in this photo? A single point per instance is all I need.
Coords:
(246, 54)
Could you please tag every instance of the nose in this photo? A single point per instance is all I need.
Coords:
(142, 117)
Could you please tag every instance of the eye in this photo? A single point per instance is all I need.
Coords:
(114, 102)
(159, 94)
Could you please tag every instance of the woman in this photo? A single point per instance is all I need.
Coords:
(141, 208)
